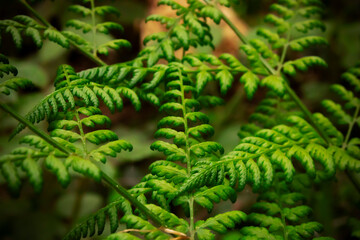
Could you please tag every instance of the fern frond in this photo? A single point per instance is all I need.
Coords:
(279, 212)
(70, 87)
(95, 223)
(25, 25)
(14, 83)
(273, 150)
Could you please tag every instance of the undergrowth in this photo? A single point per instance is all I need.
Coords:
(284, 150)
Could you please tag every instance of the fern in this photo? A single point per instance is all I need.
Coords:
(93, 28)
(62, 129)
(69, 87)
(283, 149)
(280, 212)
(345, 149)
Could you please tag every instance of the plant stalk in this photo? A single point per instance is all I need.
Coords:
(123, 192)
(93, 26)
(188, 159)
(107, 179)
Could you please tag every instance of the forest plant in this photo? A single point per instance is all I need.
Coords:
(196, 172)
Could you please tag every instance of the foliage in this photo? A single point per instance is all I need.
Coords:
(284, 149)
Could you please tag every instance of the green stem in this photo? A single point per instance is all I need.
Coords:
(354, 178)
(32, 127)
(123, 192)
(188, 159)
(307, 113)
(83, 139)
(93, 26)
(351, 125)
(245, 41)
(93, 58)
(282, 215)
(107, 179)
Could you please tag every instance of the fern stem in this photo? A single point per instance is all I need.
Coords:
(31, 126)
(352, 176)
(188, 159)
(278, 201)
(93, 26)
(83, 139)
(351, 125)
(307, 113)
(245, 41)
(36, 14)
(234, 28)
(107, 179)
(93, 58)
(123, 192)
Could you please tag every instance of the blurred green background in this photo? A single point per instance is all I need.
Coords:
(50, 215)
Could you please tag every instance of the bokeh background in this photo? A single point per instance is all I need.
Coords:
(50, 214)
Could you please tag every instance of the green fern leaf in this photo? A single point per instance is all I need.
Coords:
(86, 27)
(91, 121)
(131, 95)
(57, 167)
(14, 84)
(57, 37)
(11, 176)
(205, 198)
(101, 136)
(84, 167)
(67, 135)
(80, 9)
(114, 44)
(337, 111)
(305, 42)
(171, 171)
(35, 35)
(303, 64)
(34, 173)
(221, 222)
(135, 222)
(202, 78)
(15, 33)
(105, 27)
(211, 12)
(110, 149)
(225, 79)
(250, 82)
(172, 152)
(274, 83)
(103, 10)
(121, 236)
